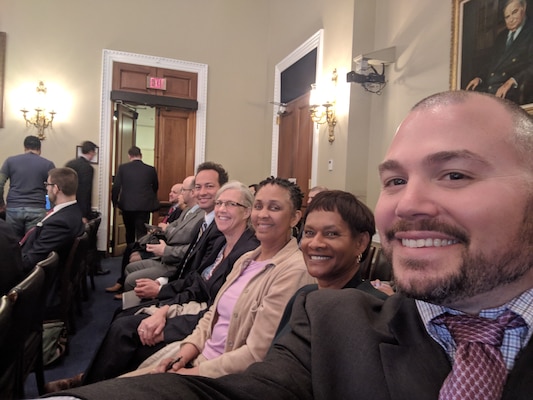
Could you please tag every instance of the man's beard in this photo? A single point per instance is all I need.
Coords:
(478, 273)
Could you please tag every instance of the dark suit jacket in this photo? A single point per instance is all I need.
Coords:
(203, 252)
(135, 187)
(515, 61)
(344, 344)
(85, 184)
(10, 259)
(195, 288)
(55, 233)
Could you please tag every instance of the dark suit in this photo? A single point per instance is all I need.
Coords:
(355, 283)
(122, 351)
(134, 192)
(55, 233)
(202, 252)
(345, 344)
(84, 194)
(515, 61)
(10, 260)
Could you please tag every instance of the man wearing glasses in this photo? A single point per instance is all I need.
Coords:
(58, 229)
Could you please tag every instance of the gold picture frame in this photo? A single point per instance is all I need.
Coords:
(476, 27)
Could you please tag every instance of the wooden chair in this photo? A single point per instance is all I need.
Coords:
(381, 268)
(33, 346)
(92, 252)
(7, 360)
(73, 271)
(366, 264)
(27, 299)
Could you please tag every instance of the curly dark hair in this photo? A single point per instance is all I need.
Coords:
(356, 214)
(209, 165)
(294, 190)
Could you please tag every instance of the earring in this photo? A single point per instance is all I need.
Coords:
(359, 258)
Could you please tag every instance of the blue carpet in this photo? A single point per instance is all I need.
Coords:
(91, 328)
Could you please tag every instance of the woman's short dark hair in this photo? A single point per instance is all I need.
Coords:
(356, 214)
(294, 190)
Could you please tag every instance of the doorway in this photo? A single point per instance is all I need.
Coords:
(106, 123)
(306, 139)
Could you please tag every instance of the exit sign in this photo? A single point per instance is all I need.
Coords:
(153, 82)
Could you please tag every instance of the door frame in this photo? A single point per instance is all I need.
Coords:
(106, 118)
(314, 42)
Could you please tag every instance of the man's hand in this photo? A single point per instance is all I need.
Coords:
(472, 85)
(150, 329)
(157, 249)
(146, 288)
(162, 225)
(503, 89)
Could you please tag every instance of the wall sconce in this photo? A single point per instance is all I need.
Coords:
(39, 119)
(322, 106)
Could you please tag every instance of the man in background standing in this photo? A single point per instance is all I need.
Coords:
(26, 200)
(82, 166)
(134, 192)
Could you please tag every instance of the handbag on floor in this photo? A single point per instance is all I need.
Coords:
(55, 341)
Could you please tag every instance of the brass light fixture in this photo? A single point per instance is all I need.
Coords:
(322, 106)
(39, 120)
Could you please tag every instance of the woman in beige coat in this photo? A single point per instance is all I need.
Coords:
(239, 327)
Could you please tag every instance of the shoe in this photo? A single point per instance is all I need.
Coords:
(63, 384)
(117, 287)
(118, 296)
(101, 271)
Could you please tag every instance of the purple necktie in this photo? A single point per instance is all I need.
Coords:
(479, 371)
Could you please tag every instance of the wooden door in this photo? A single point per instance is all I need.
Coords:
(125, 127)
(174, 149)
(296, 143)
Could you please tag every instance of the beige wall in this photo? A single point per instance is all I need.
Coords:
(241, 41)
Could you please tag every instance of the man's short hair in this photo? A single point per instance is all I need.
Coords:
(65, 178)
(32, 143)
(134, 151)
(87, 147)
(222, 174)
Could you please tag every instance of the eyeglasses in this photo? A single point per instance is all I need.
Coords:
(229, 204)
(186, 190)
(46, 184)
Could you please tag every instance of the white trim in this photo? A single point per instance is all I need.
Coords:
(314, 42)
(108, 58)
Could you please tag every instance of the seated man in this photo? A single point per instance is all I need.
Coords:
(455, 218)
(57, 230)
(151, 260)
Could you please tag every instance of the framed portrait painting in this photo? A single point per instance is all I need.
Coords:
(492, 48)
(95, 158)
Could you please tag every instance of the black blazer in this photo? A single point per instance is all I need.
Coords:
(195, 288)
(55, 233)
(10, 259)
(85, 184)
(344, 344)
(135, 187)
(204, 251)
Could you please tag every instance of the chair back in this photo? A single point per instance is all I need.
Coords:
(7, 370)
(92, 252)
(27, 301)
(381, 269)
(366, 264)
(74, 268)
